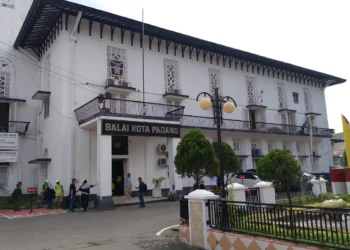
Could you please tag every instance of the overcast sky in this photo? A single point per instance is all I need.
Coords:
(310, 33)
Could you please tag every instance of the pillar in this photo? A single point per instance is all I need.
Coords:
(266, 192)
(174, 178)
(319, 186)
(198, 216)
(104, 170)
(239, 193)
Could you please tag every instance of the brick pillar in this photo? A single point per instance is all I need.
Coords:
(198, 216)
(267, 192)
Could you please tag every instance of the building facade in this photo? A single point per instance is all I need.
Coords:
(98, 112)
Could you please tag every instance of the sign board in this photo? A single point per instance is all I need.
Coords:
(32, 190)
(8, 156)
(112, 127)
(8, 141)
(242, 177)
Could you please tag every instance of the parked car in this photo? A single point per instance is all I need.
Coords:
(248, 179)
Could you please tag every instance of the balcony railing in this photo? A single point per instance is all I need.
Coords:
(15, 127)
(128, 108)
(253, 127)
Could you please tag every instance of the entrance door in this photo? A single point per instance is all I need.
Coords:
(118, 177)
(4, 117)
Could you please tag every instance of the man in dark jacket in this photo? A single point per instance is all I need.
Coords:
(16, 196)
(142, 190)
(85, 193)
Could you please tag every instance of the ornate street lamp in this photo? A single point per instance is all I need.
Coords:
(229, 106)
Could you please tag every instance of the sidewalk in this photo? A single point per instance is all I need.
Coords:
(10, 214)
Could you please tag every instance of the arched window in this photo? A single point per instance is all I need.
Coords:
(46, 153)
(6, 73)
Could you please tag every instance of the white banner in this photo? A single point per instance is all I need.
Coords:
(8, 156)
(8, 141)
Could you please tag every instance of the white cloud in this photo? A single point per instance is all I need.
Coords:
(312, 34)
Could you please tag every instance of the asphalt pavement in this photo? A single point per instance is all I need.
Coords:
(126, 228)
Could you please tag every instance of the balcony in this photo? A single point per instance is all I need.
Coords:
(127, 109)
(15, 127)
(253, 127)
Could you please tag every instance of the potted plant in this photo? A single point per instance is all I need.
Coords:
(157, 191)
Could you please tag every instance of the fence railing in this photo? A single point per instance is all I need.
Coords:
(308, 225)
(127, 108)
(15, 127)
(253, 127)
(184, 214)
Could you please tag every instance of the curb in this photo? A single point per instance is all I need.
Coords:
(136, 202)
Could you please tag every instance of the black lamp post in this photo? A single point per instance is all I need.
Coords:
(228, 107)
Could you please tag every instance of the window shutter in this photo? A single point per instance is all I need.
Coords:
(3, 175)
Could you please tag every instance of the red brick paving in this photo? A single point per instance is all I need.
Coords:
(10, 214)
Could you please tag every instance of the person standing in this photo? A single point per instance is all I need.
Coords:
(59, 194)
(128, 186)
(72, 195)
(49, 195)
(142, 189)
(17, 196)
(85, 193)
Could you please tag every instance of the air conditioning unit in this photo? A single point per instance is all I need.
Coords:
(177, 91)
(256, 152)
(162, 162)
(162, 148)
(125, 84)
(110, 81)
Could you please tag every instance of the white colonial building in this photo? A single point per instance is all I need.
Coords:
(95, 111)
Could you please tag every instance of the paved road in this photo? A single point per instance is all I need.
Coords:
(127, 228)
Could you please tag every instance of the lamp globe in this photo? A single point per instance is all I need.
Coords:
(229, 107)
(205, 103)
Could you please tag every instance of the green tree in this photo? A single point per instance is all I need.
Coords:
(280, 168)
(344, 160)
(195, 157)
(231, 161)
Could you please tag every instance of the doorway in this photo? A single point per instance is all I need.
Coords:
(118, 177)
(4, 117)
(252, 118)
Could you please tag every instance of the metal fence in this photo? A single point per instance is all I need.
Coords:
(308, 225)
(184, 215)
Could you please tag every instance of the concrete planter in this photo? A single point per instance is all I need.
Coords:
(156, 193)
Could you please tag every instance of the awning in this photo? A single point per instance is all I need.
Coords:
(39, 160)
(41, 95)
(10, 100)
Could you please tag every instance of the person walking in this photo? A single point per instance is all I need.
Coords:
(142, 190)
(49, 195)
(16, 197)
(128, 186)
(72, 195)
(59, 194)
(85, 193)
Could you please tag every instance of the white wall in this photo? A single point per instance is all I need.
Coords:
(24, 81)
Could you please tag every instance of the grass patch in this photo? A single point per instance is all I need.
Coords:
(312, 200)
(7, 203)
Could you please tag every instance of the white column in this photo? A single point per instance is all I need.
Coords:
(174, 178)
(198, 216)
(104, 169)
(319, 186)
(239, 193)
(267, 192)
